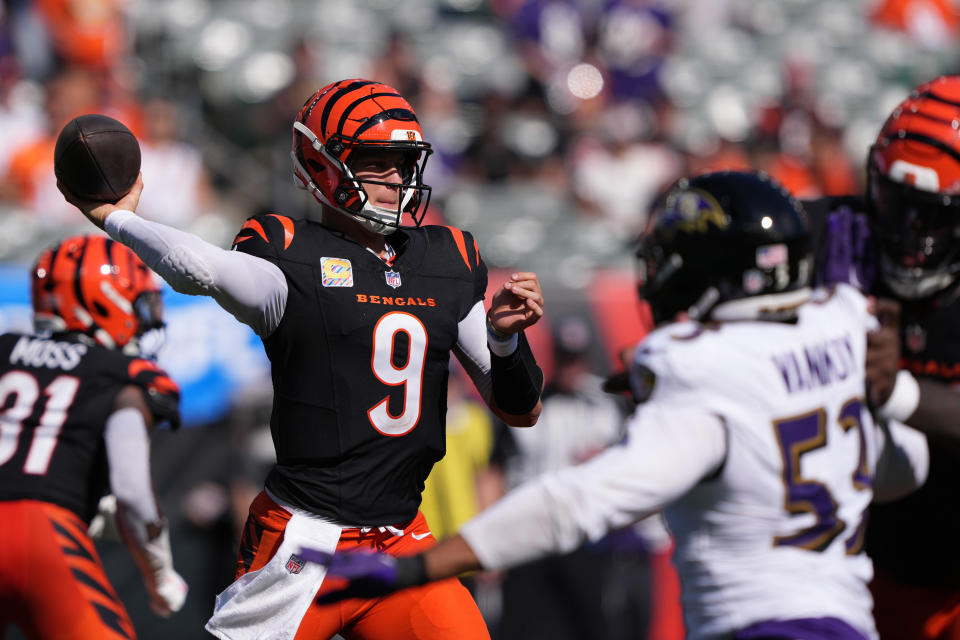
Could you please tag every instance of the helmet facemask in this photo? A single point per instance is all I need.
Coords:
(151, 329)
(913, 192)
(918, 238)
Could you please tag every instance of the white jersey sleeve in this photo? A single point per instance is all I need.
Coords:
(669, 448)
(253, 290)
(471, 350)
(127, 445)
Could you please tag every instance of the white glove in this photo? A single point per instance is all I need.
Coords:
(103, 526)
(167, 589)
(168, 593)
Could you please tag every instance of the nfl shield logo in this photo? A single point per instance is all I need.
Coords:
(393, 278)
(294, 564)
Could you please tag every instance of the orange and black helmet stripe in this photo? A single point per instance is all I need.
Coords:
(343, 91)
(70, 277)
(363, 103)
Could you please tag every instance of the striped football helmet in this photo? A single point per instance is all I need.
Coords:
(913, 191)
(95, 286)
(351, 115)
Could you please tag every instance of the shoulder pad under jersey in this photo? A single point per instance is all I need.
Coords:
(462, 255)
(459, 247)
(266, 235)
(662, 362)
(161, 393)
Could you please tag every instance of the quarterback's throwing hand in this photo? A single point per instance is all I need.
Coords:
(97, 212)
(517, 304)
(364, 575)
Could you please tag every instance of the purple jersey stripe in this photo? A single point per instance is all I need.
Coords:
(801, 629)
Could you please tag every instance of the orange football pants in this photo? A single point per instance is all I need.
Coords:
(906, 612)
(52, 584)
(442, 610)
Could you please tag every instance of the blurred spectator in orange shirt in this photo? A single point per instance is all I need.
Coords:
(90, 33)
(793, 172)
(835, 172)
(932, 24)
(29, 182)
(727, 156)
(21, 112)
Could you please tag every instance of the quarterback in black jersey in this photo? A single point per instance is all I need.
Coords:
(76, 404)
(902, 242)
(359, 316)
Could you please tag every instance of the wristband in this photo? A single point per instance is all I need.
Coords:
(501, 344)
(903, 400)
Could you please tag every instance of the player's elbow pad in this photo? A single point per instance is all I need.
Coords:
(517, 379)
(186, 271)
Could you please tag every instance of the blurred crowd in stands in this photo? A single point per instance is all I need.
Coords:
(555, 125)
(541, 111)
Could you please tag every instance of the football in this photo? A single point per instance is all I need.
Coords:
(97, 158)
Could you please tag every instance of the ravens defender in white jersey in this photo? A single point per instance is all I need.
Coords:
(751, 434)
(358, 315)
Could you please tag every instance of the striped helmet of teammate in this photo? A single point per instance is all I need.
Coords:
(95, 286)
(913, 192)
(359, 115)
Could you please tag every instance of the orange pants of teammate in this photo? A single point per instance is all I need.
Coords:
(905, 612)
(52, 583)
(442, 610)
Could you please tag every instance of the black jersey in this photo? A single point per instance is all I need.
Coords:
(915, 537)
(360, 362)
(55, 397)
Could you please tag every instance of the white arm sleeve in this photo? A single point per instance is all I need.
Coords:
(252, 289)
(669, 450)
(128, 455)
(471, 350)
(903, 463)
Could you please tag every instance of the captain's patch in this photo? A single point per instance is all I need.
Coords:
(336, 272)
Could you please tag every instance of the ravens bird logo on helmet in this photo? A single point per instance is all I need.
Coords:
(725, 246)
